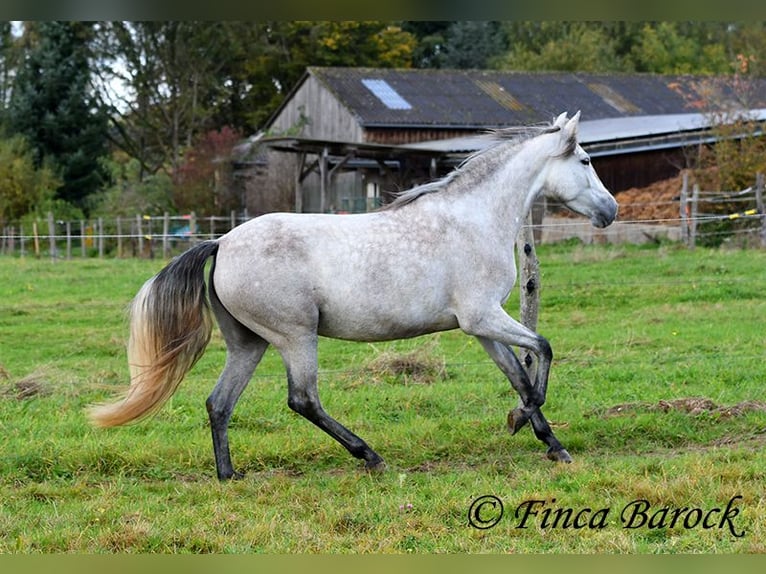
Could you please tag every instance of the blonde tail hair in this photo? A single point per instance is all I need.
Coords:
(170, 326)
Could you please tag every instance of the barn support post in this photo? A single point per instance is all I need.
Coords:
(323, 180)
(529, 286)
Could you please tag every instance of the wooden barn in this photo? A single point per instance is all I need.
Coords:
(344, 139)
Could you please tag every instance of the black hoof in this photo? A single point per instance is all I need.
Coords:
(517, 418)
(233, 476)
(375, 466)
(560, 455)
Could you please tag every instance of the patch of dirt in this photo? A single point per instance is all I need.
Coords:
(420, 366)
(25, 388)
(693, 406)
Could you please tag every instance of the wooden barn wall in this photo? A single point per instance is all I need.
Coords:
(319, 114)
(629, 170)
(401, 136)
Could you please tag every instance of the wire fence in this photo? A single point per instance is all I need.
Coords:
(722, 213)
(694, 217)
(144, 236)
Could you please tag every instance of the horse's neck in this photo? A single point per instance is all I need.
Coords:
(507, 193)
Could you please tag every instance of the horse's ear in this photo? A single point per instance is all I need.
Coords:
(560, 121)
(571, 125)
(569, 136)
(570, 129)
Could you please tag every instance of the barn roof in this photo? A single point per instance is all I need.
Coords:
(477, 99)
(611, 136)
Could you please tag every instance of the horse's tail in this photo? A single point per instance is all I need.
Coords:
(170, 326)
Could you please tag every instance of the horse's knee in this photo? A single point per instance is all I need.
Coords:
(546, 351)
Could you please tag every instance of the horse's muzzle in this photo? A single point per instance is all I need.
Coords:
(606, 214)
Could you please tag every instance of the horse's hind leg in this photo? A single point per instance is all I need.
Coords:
(300, 358)
(241, 361)
(244, 350)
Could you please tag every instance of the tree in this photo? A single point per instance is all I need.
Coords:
(170, 76)
(52, 105)
(473, 44)
(24, 188)
(286, 49)
(660, 48)
(457, 44)
(561, 46)
(180, 80)
(203, 181)
(8, 61)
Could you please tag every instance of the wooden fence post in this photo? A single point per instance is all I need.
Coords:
(68, 239)
(761, 207)
(150, 235)
(52, 236)
(193, 228)
(682, 206)
(82, 239)
(529, 287)
(36, 239)
(100, 238)
(693, 216)
(165, 233)
(119, 237)
(140, 235)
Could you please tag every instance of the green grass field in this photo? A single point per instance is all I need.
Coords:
(656, 391)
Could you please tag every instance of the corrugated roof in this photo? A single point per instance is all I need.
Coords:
(612, 135)
(476, 99)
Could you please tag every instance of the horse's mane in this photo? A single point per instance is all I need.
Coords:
(495, 138)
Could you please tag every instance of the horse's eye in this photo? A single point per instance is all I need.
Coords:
(585, 161)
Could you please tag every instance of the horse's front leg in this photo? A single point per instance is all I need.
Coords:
(531, 400)
(498, 333)
(509, 364)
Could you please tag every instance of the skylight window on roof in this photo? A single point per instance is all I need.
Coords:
(386, 94)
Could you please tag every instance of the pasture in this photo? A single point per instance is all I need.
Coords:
(656, 390)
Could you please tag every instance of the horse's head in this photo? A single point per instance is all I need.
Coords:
(572, 180)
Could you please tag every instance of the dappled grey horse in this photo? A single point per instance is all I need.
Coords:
(439, 257)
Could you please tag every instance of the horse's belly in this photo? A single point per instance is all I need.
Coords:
(368, 325)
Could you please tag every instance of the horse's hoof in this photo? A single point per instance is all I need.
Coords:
(233, 476)
(375, 466)
(517, 418)
(560, 455)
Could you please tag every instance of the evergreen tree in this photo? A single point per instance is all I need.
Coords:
(53, 106)
(474, 44)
